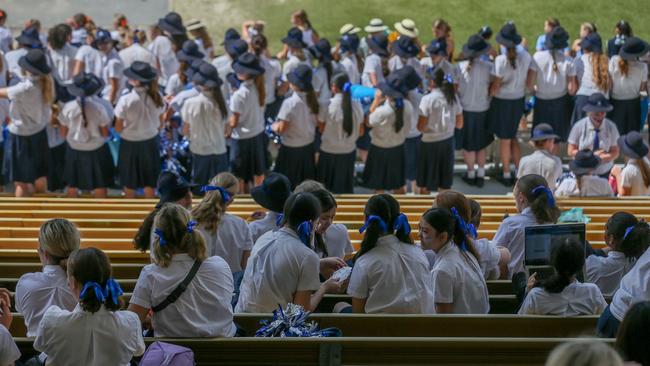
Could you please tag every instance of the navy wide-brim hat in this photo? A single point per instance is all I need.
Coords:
(508, 36)
(378, 44)
(405, 47)
(172, 23)
(189, 52)
(172, 187)
(633, 48)
(322, 50)
(236, 48)
(30, 38)
(349, 43)
(592, 43)
(294, 38)
(35, 62)
(141, 71)
(207, 75)
(584, 162)
(475, 46)
(557, 39)
(437, 47)
(393, 86)
(273, 192)
(248, 64)
(85, 85)
(597, 102)
(632, 145)
(543, 131)
(230, 35)
(410, 77)
(301, 77)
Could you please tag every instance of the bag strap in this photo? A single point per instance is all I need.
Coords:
(178, 291)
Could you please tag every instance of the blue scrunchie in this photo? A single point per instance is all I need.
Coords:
(161, 237)
(224, 194)
(399, 103)
(628, 231)
(472, 230)
(402, 222)
(347, 87)
(549, 195)
(463, 227)
(448, 78)
(278, 220)
(113, 290)
(191, 225)
(372, 218)
(96, 288)
(304, 232)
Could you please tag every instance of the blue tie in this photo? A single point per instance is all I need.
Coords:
(596, 139)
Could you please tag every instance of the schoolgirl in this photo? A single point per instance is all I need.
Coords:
(226, 235)
(390, 274)
(297, 55)
(556, 83)
(562, 294)
(375, 68)
(586, 29)
(138, 121)
(405, 52)
(536, 206)
(629, 78)
(86, 334)
(389, 118)
(200, 35)
(412, 83)
(204, 124)
(330, 239)
(35, 292)
(591, 72)
(438, 59)
(473, 90)
(300, 20)
(542, 161)
(634, 178)
(248, 148)
(440, 112)
(583, 181)
(627, 240)
(622, 34)
(112, 66)
(234, 47)
(492, 259)
(441, 30)
(271, 195)
(296, 123)
(340, 129)
(61, 53)
(175, 103)
(162, 47)
(10, 352)
(136, 50)
(88, 58)
(179, 80)
(272, 76)
(513, 72)
(26, 155)
(283, 267)
(28, 39)
(203, 309)
(349, 58)
(85, 124)
(322, 75)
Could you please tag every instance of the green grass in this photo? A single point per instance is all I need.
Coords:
(465, 16)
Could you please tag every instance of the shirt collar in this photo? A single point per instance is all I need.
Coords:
(448, 248)
(527, 212)
(52, 268)
(181, 257)
(387, 239)
(615, 254)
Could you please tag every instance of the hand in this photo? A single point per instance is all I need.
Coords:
(333, 286)
(379, 96)
(5, 302)
(275, 127)
(258, 215)
(228, 131)
(532, 280)
(330, 265)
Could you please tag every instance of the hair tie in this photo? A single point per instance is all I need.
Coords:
(448, 78)
(347, 86)
(95, 287)
(402, 222)
(224, 193)
(113, 290)
(161, 237)
(191, 225)
(549, 195)
(463, 227)
(304, 232)
(628, 231)
(399, 103)
(278, 220)
(373, 218)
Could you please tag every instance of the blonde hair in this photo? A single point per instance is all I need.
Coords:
(600, 70)
(584, 353)
(210, 210)
(46, 83)
(442, 24)
(58, 238)
(172, 235)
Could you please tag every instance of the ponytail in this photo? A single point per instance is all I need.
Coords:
(470, 63)
(184, 66)
(154, 93)
(579, 184)
(384, 66)
(342, 82)
(330, 70)
(463, 232)
(174, 232)
(398, 221)
(512, 56)
(261, 89)
(540, 198)
(600, 71)
(567, 257)
(217, 97)
(399, 114)
(377, 214)
(624, 66)
(629, 235)
(645, 171)
(312, 101)
(82, 105)
(91, 268)
(553, 55)
(446, 85)
(210, 210)
(47, 88)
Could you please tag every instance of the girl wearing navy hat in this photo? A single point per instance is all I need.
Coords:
(629, 78)
(296, 123)
(322, 78)
(390, 118)
(634, 178)
(171, 26)
(272, 76)
(340, 129)
(623, 32)
(88, 58)
(112, 66)
(405, 52)
(300, 20)
(175, 102)
(88, 161)
(440, 113)
(592, 73)
(248, 143)
(350, 60)
(26, 150)
(583, 182)
(375, 68)
(412, 83)
(556, 83)
(473, 90)
(586, 29)
(204, 117)
(138, 119)
(297, 54)
(185, 56)
(513, 73)
(438, 59)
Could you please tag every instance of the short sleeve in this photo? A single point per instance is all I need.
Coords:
(358, 287)
(285, 113)
(136, 345)
(81, 54)
(532, 66)
(370, 65)
(17, 91)
(237, 103)
(122, 106)
(245, 241)
(501, 236)
(114, 69)
(424, 107)
(599, 300)
(499, 67)
(570, 68)
(381, 115)
(541, 40)
(142, 291)
(627, 177)
(309, 272)
(186, 114)
(100, 115)
(528, 306)
(574, 135)
(615, 134)
(44, 333)
(9, 351)
(443, 286)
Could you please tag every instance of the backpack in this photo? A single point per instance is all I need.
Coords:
(167, 354)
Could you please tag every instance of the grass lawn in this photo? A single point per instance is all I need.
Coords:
(465, 16)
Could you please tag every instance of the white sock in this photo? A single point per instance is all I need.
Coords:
(480, 172)
(506, 175)
(471, 174)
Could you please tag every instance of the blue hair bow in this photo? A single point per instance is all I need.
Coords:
(449, 78)
(161, 237)
(347, 87)
(628, 231)
(93, 286)
(402, 222)
(191, 225)
(113, 290)
(304, 232)
(399, 103)
(472, 230)
(278, 220)
(463, 227)
(224, 194)
(372, 218)
(549, 195)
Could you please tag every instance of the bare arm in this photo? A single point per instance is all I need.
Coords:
(234, 120)
(572, 85)
(444, 308)
(358, 305)
(373, 79)
(280, 127)
(104, 131)
(422, 123)
(610, 155)
(572, 150)
(4, 93)
(495, 86)
(142, 312)
(530, 80)
(79, 66)
(119, 125)
(459, 121)
(244, 258)
(186, 130)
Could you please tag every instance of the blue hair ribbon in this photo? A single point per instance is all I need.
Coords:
(402, 222)
(472, 230)
(347, 87)
(449, 78)
(113, 290)
(191, 225)
(373, 218)
(304, 232)
(628, 231)
(278, 220)
(161, 237)
(93, 286)
(463, 227)
(549, 195)
(224, 193)
(399, 103)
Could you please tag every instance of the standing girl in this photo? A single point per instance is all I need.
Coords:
(350, 60)
(138, 119)
(162, 47)
(300, 19)
(405, 53)
(412, 83)
(375, 68)
(204, 118)
(591, 72)
(340, 129)
(272, 76)
(634, 179)
(179, 80)
(296, 47)
(112, 66)
(322, 79)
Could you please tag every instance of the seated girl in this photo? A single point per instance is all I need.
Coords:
(582, 182)
(331, 240)
(493, 260)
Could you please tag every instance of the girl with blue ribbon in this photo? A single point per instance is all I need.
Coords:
(330, 239)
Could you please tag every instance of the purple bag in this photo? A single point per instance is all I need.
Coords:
(167, 354)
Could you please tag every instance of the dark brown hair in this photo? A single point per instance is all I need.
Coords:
(538, 202)
(91, 265)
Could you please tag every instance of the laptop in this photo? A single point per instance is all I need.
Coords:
(538, 244)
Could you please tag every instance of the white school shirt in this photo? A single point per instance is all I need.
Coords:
(231, 239)
(543, 163)
(140, 114)
(92, 59)
(334, 139)
(337, 241)
(6, 39)
(590, 186)
(372, 65)
(9, 352)
(108, 107)
(136, 52)
(396, 62)
(291, 64)
(584, 72)
(426, 63)
(223, 64)
(112, 68)
(12, 58)
(245, 101)
(607, 272)
(301, 126)
(632, 177)
(203, 310)
(82, 338)
(351, 68)
(513, 81)
(37, 291)
(627, 86)
(62, 61)
(272, 74)
(279, 266)
(576, 299)
(308, 37)
(260, 227)
(4, 103)
(441, 116)
(382, 121)
(174, 85)
(553, 84)
(161, 47)
(490, 256)
(82, 138)
(474, 85)
(415, 98)
(322, 90)
(207, 125)
(393, 278)
(510, 235)
(635, 287)
(582, 135)
(179, 99)
(457, 279)
(28, 111)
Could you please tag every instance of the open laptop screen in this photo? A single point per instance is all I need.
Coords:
(538, 241)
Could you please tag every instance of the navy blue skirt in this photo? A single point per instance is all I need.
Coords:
(363, 142)
(336, 171)
(55, 167)
(89, 170)
(476, 134)
(26, 157)
(297, 163)
(626, 114)
(556, 112)
(139, 163)
(384, 168)
(206, 167)
(411, 157)
(505, 115)
(248, 157)
(436, 165)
